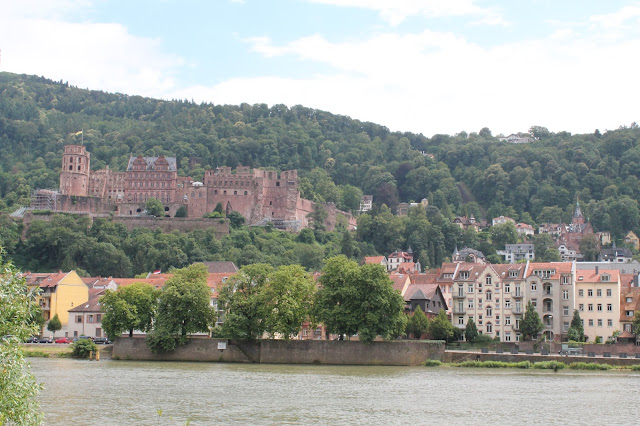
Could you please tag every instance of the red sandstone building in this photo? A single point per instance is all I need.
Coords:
(261, 196)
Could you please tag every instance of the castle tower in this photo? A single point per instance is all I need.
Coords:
(578, 219)
(74, 177)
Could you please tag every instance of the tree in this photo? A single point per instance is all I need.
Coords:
(589, 247)
(418, 323)
(219, 208)
(184, 307)
(470, 331)
(635, 325)
(54, 325)
(287, 298)
(318, 216)
(502, 234)
(154, 207)
(346, 245)
(357, 300)
(531, 324)
(236, 220)
(441, 328)
(181, 212)
(18, 387)
(576, 330)
(129, 308)
(240, 298)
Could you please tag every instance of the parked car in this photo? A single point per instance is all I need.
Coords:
(101, 341)
(45, 340)
(32, 339)
(82, 337)
(63, 340)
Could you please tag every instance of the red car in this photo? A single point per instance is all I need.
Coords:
(63, 340)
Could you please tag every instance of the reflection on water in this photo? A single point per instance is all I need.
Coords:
(127, 392)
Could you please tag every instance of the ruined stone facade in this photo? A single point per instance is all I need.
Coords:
(261, 196)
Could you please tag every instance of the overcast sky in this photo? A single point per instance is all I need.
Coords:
(425, 66)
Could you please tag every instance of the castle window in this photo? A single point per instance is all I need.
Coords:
(235, 192)
(70, 167)
(277, 183)
(224, 192)
(215, 191)
(71, 160)
(79, 160)
(199, 194)
(193, 194)
(245, 192)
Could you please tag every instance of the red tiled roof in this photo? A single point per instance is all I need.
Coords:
(45, 280)
(590, 275)
(429, 291)
(559, 267)
(376, 260)
(92, 305)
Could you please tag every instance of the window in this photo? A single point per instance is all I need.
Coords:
(581, 307)
(98, 317)
(507, 288)
(565, 327)
(507, 320)
(565, 311)
(517, 323)
(497, 319)
(628, 313)
(461, 320)
(487, 280)
(590, 293)
(629, 299)
(513, 274)
(565, 280)
(599, 323)
(470, 288)
(534, 286)
(518, 306)
(507, 336)
(581, 293)
(599, 292)
(78, 318)
(464, 275)
(609, 307)
(470, 304)
(627, 327)
(590, 323)
(489, 311)
(90, 319)
(479, 319)
(590, 307)
(609, 323)
(534, 302)
(600, 307)
(489, 328)
(507, 303)
(460, 306)
(609, 292)
(488, 295)
(518, 337)
(565, 294)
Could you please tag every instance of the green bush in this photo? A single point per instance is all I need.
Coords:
(549, 365)
(635, 367)
(589, 366)
(83, 347)
(433, 363)
(493, 364)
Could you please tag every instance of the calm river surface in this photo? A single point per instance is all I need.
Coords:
(131, 393)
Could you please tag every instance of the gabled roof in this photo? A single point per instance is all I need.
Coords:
(421, 292)
(151, 161)
(45, 280)
(375, 260)
(92, 305)
(221, 267)
(559, 267)
(504, 269)
(400, 282)
(591, 276)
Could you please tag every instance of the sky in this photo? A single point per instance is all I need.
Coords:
(422, 66)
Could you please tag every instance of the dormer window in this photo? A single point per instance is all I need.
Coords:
(464, 275)
(605, 278)
(513, 274)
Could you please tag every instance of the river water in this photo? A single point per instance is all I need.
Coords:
(79, 392)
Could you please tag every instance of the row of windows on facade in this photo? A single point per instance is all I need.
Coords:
(150, 184)
(598, 306)
(598, 292)
(90, 318)
(151, 175)
(547, 290)
(518, 307)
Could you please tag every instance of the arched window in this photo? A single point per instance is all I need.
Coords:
(487, 280)
(489, 311)
(489, 328)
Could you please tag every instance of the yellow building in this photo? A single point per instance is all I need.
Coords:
(597, 298)
(632, 239)
(59, 292)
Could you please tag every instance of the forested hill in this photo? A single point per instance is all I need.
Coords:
(338, 158)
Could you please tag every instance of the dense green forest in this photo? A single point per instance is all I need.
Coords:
(338, 159)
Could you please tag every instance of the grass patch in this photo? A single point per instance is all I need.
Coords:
(493, 364)
(590, 366)
(549, 365)
(635, 367)
(433, 363)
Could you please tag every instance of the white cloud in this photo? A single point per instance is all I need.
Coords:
(396, 11)
(94, 55)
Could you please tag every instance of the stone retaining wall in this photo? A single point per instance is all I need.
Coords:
(287, 352)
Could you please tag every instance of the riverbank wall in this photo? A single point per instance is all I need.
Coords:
(331, 352)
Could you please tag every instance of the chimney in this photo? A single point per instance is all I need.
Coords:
(635, 280)
(597, 268)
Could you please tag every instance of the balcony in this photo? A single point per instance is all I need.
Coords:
(457, 310)
(518, 294)
(458, 295)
